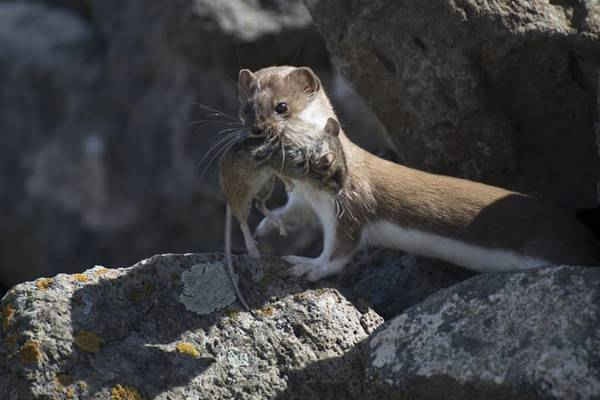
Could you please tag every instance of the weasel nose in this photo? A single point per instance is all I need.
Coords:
(256, 131)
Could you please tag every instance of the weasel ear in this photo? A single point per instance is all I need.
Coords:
(305, 80)
(332, 127)
(246, 80)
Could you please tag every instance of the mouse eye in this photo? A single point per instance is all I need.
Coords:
(281, 108)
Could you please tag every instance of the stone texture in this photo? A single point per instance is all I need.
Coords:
(390, 282)
(522, 335)
(500, 91)
(103, 124)
(125, 332)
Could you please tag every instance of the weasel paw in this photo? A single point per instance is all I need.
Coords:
(312, 268)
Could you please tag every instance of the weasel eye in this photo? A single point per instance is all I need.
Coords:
(281, 108)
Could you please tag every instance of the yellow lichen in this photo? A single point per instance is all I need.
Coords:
(88, 341)
(70, 393)
(80, 277)
(100, 271)
(122, 392)
(8, 313)
(30, 352)
(44, 283)
(267, 311)
(188, 349)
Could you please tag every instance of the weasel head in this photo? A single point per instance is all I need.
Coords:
(272, 98)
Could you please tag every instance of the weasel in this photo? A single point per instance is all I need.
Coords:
(477, 226)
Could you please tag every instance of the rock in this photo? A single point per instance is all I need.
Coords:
(127, 333)
(495, 336)
(500, 91)
(390, 281)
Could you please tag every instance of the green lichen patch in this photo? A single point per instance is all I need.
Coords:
(88, 341)
(206, 288)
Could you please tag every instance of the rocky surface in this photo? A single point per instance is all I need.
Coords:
(168, 327)
(103, 123)
(501, 91)
(496, 336)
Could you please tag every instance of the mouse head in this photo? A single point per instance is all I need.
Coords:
(272, 97)
(313, 155)
(328, 161)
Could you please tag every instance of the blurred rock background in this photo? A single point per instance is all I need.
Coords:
(103, 115)
(103, 122)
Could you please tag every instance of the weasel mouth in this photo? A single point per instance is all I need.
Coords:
(257, 132)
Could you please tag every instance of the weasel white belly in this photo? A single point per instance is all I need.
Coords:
(390, 235)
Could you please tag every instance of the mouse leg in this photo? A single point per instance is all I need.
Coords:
(250, 243)
(261, 200)
(274, 218)
(294, 214)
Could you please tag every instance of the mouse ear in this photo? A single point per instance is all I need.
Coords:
(246, 79)
(326, 160)
(332, 127)
(304, 79)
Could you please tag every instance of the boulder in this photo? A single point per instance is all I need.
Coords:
(500, 91)
(169, 327)
(524, 335)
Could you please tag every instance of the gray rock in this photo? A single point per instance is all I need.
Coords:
(522, 335)
(125, 332)
(390, 282)
(501, 91)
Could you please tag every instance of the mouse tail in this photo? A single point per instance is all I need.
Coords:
(228, 258)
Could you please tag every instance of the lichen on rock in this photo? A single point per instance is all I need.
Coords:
(206, 288)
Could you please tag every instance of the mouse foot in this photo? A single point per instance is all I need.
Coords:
(268, 224)
(252, 248)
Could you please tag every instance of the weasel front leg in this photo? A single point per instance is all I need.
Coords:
(338, 248)
(324, 265)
